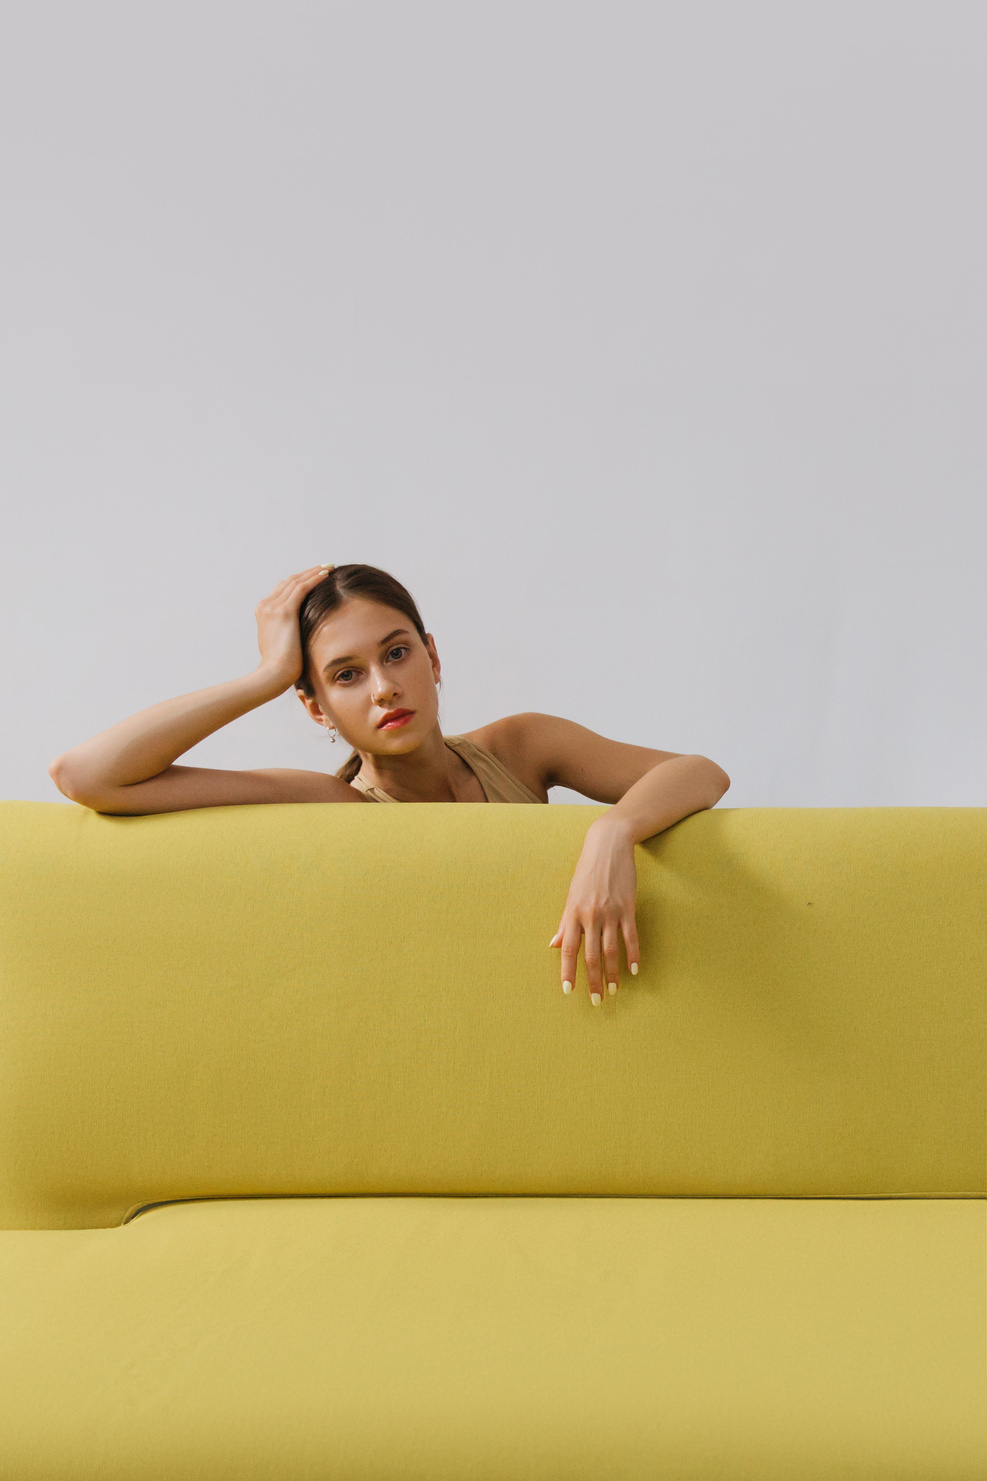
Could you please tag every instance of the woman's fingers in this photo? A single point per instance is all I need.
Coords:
(601, 953)
(296, 587)
(571, 937)
(296, 576)
(594, 962)
(628, 926)
(294, 583)
(611, 955)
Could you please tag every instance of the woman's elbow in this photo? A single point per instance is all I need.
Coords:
(71, 783)
(60, 773)
(719, 782)
(722, 782)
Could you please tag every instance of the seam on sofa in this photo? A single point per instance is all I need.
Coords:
(145, 1208)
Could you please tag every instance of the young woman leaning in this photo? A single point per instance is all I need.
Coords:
(352, 643)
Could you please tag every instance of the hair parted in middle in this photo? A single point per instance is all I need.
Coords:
(342, 584)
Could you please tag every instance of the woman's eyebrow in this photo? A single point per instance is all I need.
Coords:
(351, 657)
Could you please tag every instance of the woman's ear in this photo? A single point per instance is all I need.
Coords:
(434, 657)
(312, 705)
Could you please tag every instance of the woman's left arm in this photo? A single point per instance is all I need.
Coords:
(650, 791)
(601, 901)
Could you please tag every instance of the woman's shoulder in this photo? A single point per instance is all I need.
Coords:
(518, 742)
(546, 751)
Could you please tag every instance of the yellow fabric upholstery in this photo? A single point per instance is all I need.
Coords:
(500, 1339)
(311, 999)
(752, 1240)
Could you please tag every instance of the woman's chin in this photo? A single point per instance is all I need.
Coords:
(397, 742)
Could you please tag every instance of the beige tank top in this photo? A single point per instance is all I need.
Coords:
(499, 784)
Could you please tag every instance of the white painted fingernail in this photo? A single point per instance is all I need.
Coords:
(633, 969)
(567, 987)
(611, 987)
(595, 999)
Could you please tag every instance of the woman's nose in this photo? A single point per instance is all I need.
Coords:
(384, 688)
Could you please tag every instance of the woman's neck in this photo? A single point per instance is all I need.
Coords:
(432, 772)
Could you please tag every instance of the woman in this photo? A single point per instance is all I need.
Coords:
(351, 641)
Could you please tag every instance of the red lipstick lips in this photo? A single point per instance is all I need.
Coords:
(394, 718)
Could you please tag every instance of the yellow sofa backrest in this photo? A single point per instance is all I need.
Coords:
(309, 999)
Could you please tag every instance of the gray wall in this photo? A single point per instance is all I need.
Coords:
(644, 343)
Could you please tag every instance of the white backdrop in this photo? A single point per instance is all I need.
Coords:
(643, 342)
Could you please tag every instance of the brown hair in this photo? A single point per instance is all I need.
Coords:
(342, 584)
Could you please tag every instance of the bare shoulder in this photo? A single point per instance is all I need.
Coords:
(547, 751)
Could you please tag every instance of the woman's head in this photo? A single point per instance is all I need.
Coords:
(366, 654)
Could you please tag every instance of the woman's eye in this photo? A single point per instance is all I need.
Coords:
(399, 649)
(344, 674)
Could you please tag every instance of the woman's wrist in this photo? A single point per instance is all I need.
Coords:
(612, 827)
(270, 680)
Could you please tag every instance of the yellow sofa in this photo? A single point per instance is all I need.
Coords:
(309, 1171)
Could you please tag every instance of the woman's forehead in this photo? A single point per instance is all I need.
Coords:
(357, 624)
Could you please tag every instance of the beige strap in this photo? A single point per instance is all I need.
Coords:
(499, 784)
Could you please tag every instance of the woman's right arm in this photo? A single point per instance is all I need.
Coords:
(130, 767)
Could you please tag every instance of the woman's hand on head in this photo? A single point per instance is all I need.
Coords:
(278, 637)
(600, 909)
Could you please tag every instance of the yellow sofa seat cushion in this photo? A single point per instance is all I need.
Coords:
(501, 1339)
(310, 999)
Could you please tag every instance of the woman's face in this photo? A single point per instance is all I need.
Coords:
(370, 669)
